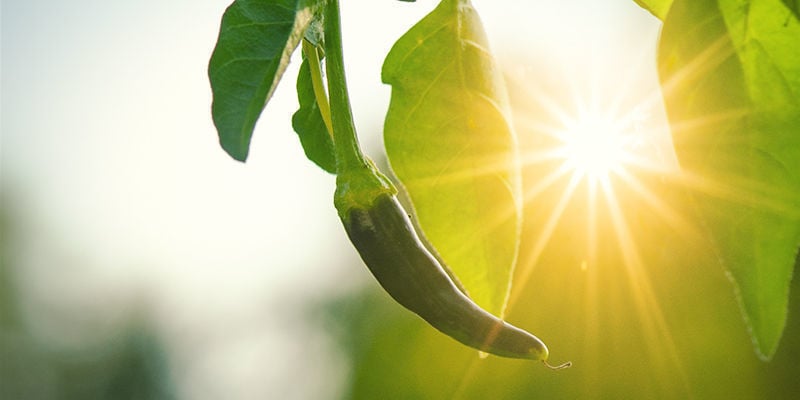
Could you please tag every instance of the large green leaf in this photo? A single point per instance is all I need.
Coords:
(730, 70)
(658, 8)
(309, 125)
(256, 40)
(449, 141)
(794, 6)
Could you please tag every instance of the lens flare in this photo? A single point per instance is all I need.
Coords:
(599, 163)
(595, 145)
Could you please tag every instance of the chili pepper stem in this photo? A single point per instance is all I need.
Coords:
(348, 151)
(358, 181)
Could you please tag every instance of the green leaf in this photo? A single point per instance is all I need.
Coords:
(731, 76)
(309, 125)
(256, 40)
(794, 6)
(658, 8)
(450, 142)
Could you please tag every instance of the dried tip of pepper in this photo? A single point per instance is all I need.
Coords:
(562, 366)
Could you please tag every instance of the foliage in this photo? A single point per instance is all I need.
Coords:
(658, 8)
(732, 91)
(256, 40)
(449, 141)
(730, 75)
(309, 124)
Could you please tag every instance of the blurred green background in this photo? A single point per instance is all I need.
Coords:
(138, 262)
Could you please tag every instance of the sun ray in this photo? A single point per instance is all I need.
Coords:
(744, 191)
(651, 315)
(543, 238)
(668, 214)
(593, 151)
(603, 142)
(709, 59)
(695, 125)
(544, 183)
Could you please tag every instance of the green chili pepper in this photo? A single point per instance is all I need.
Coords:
(382, 233)
(386, 241)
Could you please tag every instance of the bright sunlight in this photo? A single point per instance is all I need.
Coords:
(594, 145)
(595, 154)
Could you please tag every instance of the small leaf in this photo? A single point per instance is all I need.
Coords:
(256, 40)
(731, 76)
(450, 143)
(658, 8)
(309, 125)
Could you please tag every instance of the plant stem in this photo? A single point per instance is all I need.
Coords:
(348, 152)
(358, 181)
(312, 55)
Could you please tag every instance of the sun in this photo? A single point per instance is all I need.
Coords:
(594, 145)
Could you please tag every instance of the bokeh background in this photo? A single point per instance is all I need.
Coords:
(138, 261)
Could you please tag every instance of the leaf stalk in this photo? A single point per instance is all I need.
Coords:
(312, 54)
(348, 152)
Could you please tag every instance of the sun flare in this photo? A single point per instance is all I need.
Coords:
(598, 166)
(594, 145)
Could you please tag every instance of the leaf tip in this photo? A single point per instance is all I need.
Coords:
(765, 349)
(765, 331)
(236, 152)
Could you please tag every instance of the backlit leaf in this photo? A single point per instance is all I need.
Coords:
(449, 141)
(658, 8)
(730, 70)
(794, 6)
